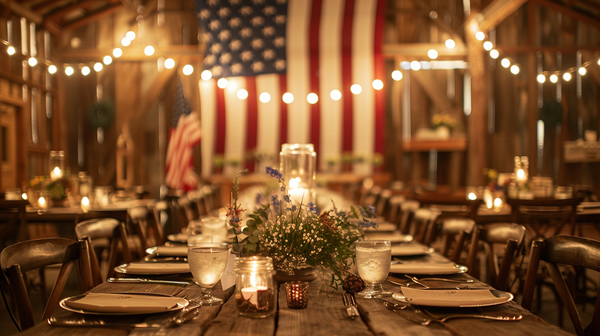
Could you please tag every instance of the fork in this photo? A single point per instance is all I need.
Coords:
(444, 279)
(430, 319)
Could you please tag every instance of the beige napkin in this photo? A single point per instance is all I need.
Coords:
(178, 237)
(153, 268)
(168, 251)
(410, 250)
(126, 303)
(393, 237)
(451, 297)
(425, 268)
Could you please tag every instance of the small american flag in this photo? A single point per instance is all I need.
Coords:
(185, 133)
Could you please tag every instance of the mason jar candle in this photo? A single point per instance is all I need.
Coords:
(255, 291)
(298, 165)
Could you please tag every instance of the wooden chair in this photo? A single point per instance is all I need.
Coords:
(114, 235)
(564, 250)
(148, 231)
(511, 237)
(202, 205)
(421, 223)
(189, 207)
(22, 257)
(453, 232)
(394, 214)
(382, 207)
(541, 214)
(407, 209)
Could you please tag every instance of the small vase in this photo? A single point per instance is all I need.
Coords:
(305, 274)
(443, 132)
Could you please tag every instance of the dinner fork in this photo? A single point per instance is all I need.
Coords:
(430, 319)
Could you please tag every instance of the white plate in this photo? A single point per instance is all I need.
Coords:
(411, 250)
(153, 268)
(168, 251)
(178, 237)
(150, 304)
(393, 237)
(452, 297)
(428, 268)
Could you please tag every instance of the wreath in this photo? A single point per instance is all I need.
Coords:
(101, 114)
(551, 113)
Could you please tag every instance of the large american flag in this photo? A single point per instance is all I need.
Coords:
(299, 47)
(185, 133)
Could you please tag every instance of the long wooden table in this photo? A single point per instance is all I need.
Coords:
(325, 315)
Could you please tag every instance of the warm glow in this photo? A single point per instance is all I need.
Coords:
(42, 202)
(356, 89)
(494, 53)
(24, 196)
(480, 35)
(288, 98)
(541, 78)
(520, 175)
(52, 69)
(85, 201)
(505, 62)
(117, 52)
(69, 71)
(553, 78)
(335, 94)
(98, 66)
(432, 53)
(125, 42)
(32, 61)
(312, 98)
(450, 44)
(149, 50)
(242, 94)
(170, 63)
(222, 83)
(497, 203)
(206, 75)
(567, 76)
(472, 196)
(264, 97)
(294, 183)
(85, 70)
(396, 75)
(188, 69)
(582, 71)
(11, 50)
(107, 60)
(487, 45)
(377, 84)
(416, 66)
(130, 35)
(514, 69)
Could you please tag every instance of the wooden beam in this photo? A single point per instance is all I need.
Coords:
(440, 23)
(11, 100)
(60, 12)
(421, 49)
(571, 13)
(21, 11)
(45, 6)
(93, 16)
(526, 49)
(496, 12)
(433, 88)
(131, 54)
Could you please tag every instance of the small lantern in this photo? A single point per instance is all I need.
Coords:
(297, 294)
(255, 292)
(298, 166)
(57, 165)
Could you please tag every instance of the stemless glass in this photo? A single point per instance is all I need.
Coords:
(207, 263)
(373, 260)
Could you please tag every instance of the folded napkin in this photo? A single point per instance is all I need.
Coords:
(410, 250)
(453, 298)
(178, 237)
(168, 251)
(126, 303)
(393, 237)
(426, 268)
(383, 226)
(153, 268)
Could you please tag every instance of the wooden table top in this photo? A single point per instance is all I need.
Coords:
(325, 315)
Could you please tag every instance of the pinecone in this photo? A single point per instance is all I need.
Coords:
(353, 284)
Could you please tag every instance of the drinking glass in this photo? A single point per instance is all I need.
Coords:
(207, 263)
(373, 260)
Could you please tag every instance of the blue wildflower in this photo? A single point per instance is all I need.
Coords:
(312, 207)
(274, 198)
(275, 202)
(269, 170)
(372, 209)
(282, 188)
(294, 207)
(367, 224)
(287, 198)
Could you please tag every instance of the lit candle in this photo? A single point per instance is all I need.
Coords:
(472, 196)
(252, 294)
(42, 202)
(85, 204)
(55, 174)
(297, 294)
(488, 199)
(521, 176)
(297, 195)
(497, 204)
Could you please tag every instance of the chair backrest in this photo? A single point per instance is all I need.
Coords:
(423, 219)
(408, 209)
(383, 203)
(190, 208)
(105, 228)
(200, 201)
(511, 236)
(564, 250)
(450, 205)
(530, 212)
(209, 198)
(150, 233)
(394, 213)
(19, 258)
(453, 233)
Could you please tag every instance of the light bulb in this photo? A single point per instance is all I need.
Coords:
(377, 84)
(69, 71)
(553, 78)
(567, 76)
(206, 75)
(264, 97)
(396, 75)
(312, 98)
(242, 94)
(450, 44)
(125, 42)
(188, 69)
(98, 66)
(130, 35)
(170, 63)
(416, 66)
(222, 83)
(487, 45)
(480, 35)
(335, 95)
(514, 69)
(288, 98)
(432, 53)
(107, 60)
(11, 50)
(541, 78)
(149, 50)
(582, 71)
(505, 62)
(356, 89)
(32, 61)
(117, 52)
(494, 53)
(85, 70)
(52, 69)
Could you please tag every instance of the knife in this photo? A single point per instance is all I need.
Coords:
(408, 314)
(81, 322)
(142, 280)
(186, 314)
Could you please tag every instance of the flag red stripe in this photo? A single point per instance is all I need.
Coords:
(220, 122)
(251, 122)
(379, 74)
(284, 114)
(315, 109)
(347, 76)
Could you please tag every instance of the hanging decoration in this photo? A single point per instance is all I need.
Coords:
(101, 114)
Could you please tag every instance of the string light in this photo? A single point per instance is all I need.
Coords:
(396, 75)
(125, 42)
(432, 53)
(69, 71)
(52, 69)
(450, 44)
(505, 62)
(117, 52)
(98, 67)
(335, 95)
(487, 45)
(288, 97)
(541, 78)
(149, 50)
(312, 98)
(85, 70)
(264, 97)
(377, 84)
(494, 53)
(11, 50)
(205, 75)
(415, 66)
(107, 60)
(582, 71)
(480, 35)
(188, 69)
(130, 35)
(356, 89)
(222, 83)
(32, 61)
(567, 76)
(554, 78)
(514, 69)
(242, 94)
(170, 64)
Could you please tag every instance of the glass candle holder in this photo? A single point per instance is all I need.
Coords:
(298, 166)
(255, 292)
(296, 294)
(57, 165)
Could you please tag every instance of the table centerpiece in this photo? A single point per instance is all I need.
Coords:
(297, 236)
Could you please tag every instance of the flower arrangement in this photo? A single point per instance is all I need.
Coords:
(57, 190)
(444, 119)
(296, 236)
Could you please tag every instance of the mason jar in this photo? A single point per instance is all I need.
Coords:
(298, 165)
(255, 291)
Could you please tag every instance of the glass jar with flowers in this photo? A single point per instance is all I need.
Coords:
(297, 237)
(443, 123)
